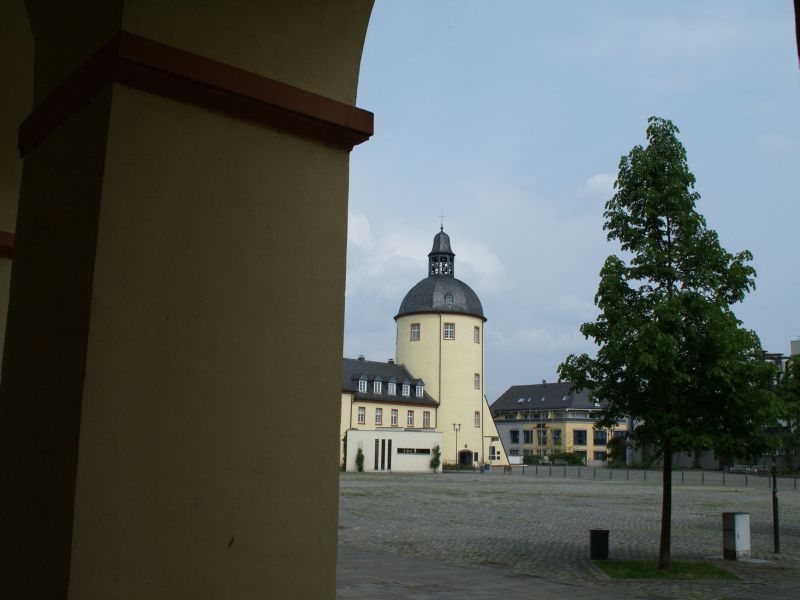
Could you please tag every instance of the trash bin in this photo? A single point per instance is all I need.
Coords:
(598, 544)
(736, 535)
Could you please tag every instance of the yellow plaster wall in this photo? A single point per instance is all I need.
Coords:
(402, 415)
(448, 368)
(344, 420)
(315, 46)
(201, 340)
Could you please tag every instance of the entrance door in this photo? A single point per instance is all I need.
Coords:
(465, 457)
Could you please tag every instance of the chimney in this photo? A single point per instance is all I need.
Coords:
(360, 357)
(390, 361)
(544, 382)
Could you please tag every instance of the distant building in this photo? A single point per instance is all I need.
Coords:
(547, 418)
(435, 388)
(388, 414)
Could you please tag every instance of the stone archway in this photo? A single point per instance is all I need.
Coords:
(160, 329)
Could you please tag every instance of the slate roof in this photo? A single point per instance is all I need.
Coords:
(543, 396)
(353, 369)
(441, 244)
(428, 296)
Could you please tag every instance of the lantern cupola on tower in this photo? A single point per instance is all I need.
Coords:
(441, 259)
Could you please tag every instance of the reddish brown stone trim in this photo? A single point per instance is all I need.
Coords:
(6, 244)
(173, 73)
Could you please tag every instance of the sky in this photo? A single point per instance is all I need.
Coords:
(510, 119)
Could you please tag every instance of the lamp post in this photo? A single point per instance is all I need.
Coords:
(456, 428)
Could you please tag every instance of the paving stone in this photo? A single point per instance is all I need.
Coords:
(537, 527)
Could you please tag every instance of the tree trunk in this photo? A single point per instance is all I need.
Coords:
(666, 508)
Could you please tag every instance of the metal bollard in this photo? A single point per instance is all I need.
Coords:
(746, 479)
(645, 475)
(627, 474)
(681, 476)
(610, 472)
(579, 472)
(565, 473)
(594, 475)
(537, 470)
(550, 471)
(702, 477)
(723, 476)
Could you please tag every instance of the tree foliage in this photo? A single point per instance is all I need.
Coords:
(436, 459)
(789, 396)
(671, 353)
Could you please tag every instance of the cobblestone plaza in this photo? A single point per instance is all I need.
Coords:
(536, 526)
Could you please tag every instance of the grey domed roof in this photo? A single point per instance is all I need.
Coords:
(431, 295)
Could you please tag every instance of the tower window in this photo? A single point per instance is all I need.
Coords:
(377, 387)
(448, 298)
(392, 391)
(476, 334)
(415, 332)
(477, 418)
(477, 381)
(449, 331)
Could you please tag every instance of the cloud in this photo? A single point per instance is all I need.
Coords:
(480, 265)
(601, 184)
(359, 232)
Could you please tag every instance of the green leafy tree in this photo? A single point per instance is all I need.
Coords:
(360, 460)
(671, 353)
(436, 459)
(789, 396)
(617, 446)
(344, 452)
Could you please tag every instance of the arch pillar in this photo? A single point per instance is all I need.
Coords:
(168, 409)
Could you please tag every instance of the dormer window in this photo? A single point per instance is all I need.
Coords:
(406, 389)
(420, 391)
(362, 384)
(377, 387)
(448, 298)
(392, 391)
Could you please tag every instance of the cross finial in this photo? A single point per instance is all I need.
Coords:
(441, 222)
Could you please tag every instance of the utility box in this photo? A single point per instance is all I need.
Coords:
(736, 535)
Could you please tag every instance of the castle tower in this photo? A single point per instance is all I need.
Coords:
(440, 339)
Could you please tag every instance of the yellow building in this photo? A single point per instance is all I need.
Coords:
(388, 415)
(440, 338)
(397, 412)
(547, 419)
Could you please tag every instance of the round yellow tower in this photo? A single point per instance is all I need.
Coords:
(440, 339)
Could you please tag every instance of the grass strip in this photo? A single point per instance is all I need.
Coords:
(680, 570)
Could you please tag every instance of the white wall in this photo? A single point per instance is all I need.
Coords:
(400, 463)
